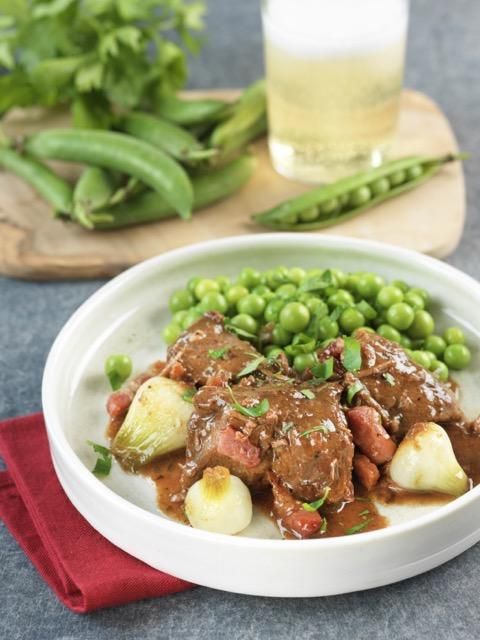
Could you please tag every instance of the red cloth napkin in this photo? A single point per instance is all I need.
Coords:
(85, 570)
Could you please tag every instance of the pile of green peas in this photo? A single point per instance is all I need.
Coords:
(283, 311)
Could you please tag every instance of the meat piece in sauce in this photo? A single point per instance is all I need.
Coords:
(290, 513)
(312, 447)
(206, 351)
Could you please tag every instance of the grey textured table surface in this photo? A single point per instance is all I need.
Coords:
(443, 61)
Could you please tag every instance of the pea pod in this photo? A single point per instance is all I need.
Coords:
(55, 190)
(191, 112)
(121, 152)
(151, 207)
(334, 203)
(174, 140)
(243, 138)
(94, 189)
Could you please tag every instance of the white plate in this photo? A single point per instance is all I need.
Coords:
(127, 316)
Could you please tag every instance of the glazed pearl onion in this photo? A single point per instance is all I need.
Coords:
(219, 502)
(425, 461)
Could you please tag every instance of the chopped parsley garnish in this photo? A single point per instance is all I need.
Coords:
(336, 313)
(315, 506)
(188, 395)
(301, 344)
(103, 464)
(218, 354)
(256, 411)
(286, 426)
(318, 283)
(389, 378)
(308, 394)
(323, 527)
(241, 332)
(352, 355)
(251, 366)
(326, 426)
(365, 512)
(323, 370)
(358, 527)
(352, 390)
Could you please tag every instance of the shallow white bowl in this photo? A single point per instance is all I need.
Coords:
(127, 315)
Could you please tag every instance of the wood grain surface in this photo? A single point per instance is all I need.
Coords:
(35, 246)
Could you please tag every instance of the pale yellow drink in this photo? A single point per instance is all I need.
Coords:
(334, 76)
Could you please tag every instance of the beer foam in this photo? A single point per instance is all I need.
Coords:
(313, 28)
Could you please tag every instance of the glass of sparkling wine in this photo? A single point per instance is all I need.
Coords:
(334, 79)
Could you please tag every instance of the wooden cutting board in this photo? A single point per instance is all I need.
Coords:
(35, 246)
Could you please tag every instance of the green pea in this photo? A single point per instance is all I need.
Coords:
(245, 322)
(213, 301)
(341, 298)
(235, 293)
(329, 207)
(359, 197)
(423, 293)
(454, 335)
(304, 361)
(351, 282)
(205, 286)
(179, 317)
(118, 368)
(414, 172)
(422, 326)
(264, 291)
(317, 307)
(405, 342)
(369, 284)
(286, 291)
(380, 187)
(422, 358)
(343, 200)
(272, 310)
(192, 283)
(418, 344)
(400, 284)
(294, 317)
(389, 333)
(297, 275)
(181, 300)
(388, 296)
(414, 300)
(192, 316)
(397, 178)
(457, 356)
(327, 328)
(339, 277)
(249, 277)
(252, 305)
(291, 218)
(272, 351)
(351, 319)
(276, 277)
(440, 370)
(281, 336)
(309, 215)
(224, 282)
(435, 344)
(171, 333)
(400, 315)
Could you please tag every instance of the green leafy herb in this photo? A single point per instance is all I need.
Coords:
(103, 464)
(389, 378)
(256, 411)
(95, 55)
(308, 394)
(301, 344)
(315, 506)
(241, 332)
(358, 527)
(323, 370)
(324, 525)
(362, 499)
(218, 354)
(189, 395)
(352, 355)
(318, 283)
(352, 390)
(336, 313)
(326, 426)
(286, 426)
(365, 512)
(368, 311)
(251, 366)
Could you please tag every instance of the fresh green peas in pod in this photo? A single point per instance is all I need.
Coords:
(380, 186)
(308, 215)
(341, 298)
(351, 319)
(178, 317)
(317, 307)
(405, 342)
(327, 328)
(329, 207)
(457, 356)
(422, 358)
(249, 277)
(245, 322)
(297, 275)
(369, 284)
(253, 305)
(397, 178)
(388, 296)
(213, 301)
(205, 286)
(118, 368)
(422, 326)
(454, 335)
(389, 333)
(440, 370)
(181, 300)
(272, 310)
(280, 336)
(343, 200)
(294, 317)
(435, 344)
(192, 316)
(291, 218)
(413, 173)
(286, 291)
(235, 293)
(415, 301)
(423, 293)
(224, 282)
(304, 361)
(400, 315)
(171, 333)
(360, 196)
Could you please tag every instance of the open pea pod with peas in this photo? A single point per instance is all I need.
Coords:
(331, 204)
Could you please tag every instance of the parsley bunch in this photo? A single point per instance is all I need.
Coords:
(95, 55)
